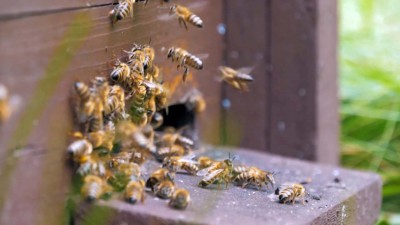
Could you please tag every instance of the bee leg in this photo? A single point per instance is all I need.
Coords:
(185, 73)
(181, 20)
(244, 184)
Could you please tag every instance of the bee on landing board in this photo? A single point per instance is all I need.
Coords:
(94, 187)
(186, 16)
(255, 176)
(291, 193)
(158, 176)
(238, 79)
(205, 162)
(219, 172)
(134, 191)
(180, 199)
(185, 60)
(175, 163)
(164, 189)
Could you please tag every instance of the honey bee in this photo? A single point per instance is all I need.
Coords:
(175, 163)
(180, 199)
(138, 112)
(122, 75)
(171, 138)
(130, 170)
(164, 189)
(94, 187)
(194, 101)
(86, 105)
(5, 109)
(217, 173)
(115, 101)
(238, 169)
(138, 157)
(134, 191)
(158, 176)
(236, 78)
(174, 150)
(121, 10)
(185, 15)
(290, 193)
(205, 162)
(80, 150)
(96, 121)
(185, 60)
(92, 166)
(255, 176)
(102, 88)
(120, 158)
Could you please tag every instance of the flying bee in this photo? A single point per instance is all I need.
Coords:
(185, 15)
(236, 78)
(171, 138)
(164, 189)
(205, 162)
(185, 60)
(255, 176)
(180, 199)
(5, 109)
(290, 193)
(94, 187)
(86, 103)
(121, 10)
(158, 176)
(80, 150)
(217, 173)
(134, 191)
(175, 163)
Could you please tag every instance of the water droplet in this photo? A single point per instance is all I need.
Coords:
(221, 28)
(226, 103)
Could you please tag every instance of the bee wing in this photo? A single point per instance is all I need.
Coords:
(245, 70)
(202, 55)
(212, 174)
(188, 161)
(165, 17)
(204, 171)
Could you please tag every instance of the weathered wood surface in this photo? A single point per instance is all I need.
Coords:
(292, 45)
(49, 52)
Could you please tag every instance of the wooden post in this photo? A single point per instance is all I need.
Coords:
(292, 108)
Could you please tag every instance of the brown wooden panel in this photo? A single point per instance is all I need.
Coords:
(246, 119)
(42, 56)
(304, 122)
(21, 8)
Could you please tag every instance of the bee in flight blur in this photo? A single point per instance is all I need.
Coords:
(185, 60)
(121, 10)
(291, 193)
(238, 79)
(185, 15)
(180, 199)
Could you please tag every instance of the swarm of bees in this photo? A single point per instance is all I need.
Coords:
(116, 121)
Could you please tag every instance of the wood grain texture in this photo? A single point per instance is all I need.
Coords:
(41, 56)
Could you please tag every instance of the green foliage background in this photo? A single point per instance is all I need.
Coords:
(370, 94)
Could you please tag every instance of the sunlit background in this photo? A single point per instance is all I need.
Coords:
(370, 94)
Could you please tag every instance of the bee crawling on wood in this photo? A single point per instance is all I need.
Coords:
(164, 189)
(238, 79)
(185, 15)
(121, 10)
(205, 162)
(180, 199)
(185, 60)
(134, 191)
(158, 176)
(291, 193)
(254, 176)
(217, 173)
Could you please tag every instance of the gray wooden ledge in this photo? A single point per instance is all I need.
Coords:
(355, 198)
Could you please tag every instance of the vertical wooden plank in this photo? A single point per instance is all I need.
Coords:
(304, 121)
(246, 113)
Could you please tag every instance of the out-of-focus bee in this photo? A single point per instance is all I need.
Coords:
(158, 176)
(80, 150)
(130, 170)
(115, 101)
(101, 88)
(173, 138)
(236, 78)
(157, 120)
(138, 157)
(134, 191)
(255, 176)
(5, 109)
(120, 158)
(291, 193)
(185, 60)
(174, 150)
(217, 173)
(92, 166)
(121, 10)
(175, 163)
(180, 199)
(86, 103)
(205, 162)
(194, 101)
(138, 112)
(94, 187)
(164, 189)
(185, 15)
(96, 121)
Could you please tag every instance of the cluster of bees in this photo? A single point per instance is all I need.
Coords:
(117, 118)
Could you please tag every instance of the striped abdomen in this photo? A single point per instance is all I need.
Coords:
(121, 73)
(134, 191)
(122, 10)
(195, 20)
(193, 61)
(82, 91)
(240, 169)
(244, 77)
(190, 167)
